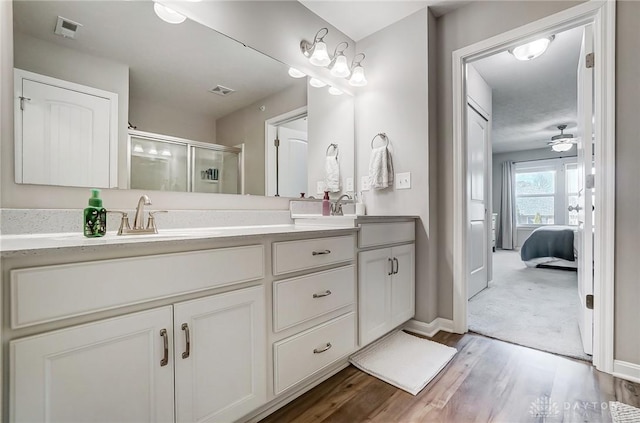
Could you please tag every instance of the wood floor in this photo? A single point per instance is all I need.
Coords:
(487, 381)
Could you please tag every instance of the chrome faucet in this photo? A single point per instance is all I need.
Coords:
(138, 222)
(336, 208)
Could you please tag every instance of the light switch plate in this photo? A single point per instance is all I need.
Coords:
(403, 180)
(320, 187)
(364, 184)
(349, 185)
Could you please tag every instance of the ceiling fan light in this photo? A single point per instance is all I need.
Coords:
(562, 147)
(167, 14)
(531, 50)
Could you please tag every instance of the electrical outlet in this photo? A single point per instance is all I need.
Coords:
(403, 180)
(320, 187)
(349, 185)
(364, 184)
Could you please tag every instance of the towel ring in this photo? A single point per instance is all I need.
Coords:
(384, 138)
(335, 146)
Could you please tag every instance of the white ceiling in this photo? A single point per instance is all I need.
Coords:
(531, 98)
(171, 64)
(359, 19)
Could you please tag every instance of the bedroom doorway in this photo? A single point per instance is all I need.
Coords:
(555, 189)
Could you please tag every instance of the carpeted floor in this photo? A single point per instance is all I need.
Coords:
(537, 308)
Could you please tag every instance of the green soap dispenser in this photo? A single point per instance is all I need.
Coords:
(95, 216)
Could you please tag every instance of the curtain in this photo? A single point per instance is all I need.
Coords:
(507, 227)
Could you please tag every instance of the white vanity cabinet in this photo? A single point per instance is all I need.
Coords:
(122, 369)
(386, 278)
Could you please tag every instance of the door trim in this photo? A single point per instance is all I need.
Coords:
(602, 15)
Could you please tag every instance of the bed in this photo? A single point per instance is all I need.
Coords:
(550, 246)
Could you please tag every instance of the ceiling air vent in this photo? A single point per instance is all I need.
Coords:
(66, 27)
(221, 90)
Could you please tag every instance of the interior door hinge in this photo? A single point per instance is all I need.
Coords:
(276, 142)
(590, 60)
(590, 301)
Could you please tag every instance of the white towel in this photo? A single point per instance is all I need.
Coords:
(380, 168)
(332, 174)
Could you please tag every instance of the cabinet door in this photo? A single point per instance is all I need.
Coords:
(403, 284)
(373, 294)
(108, 371)
(221, 373)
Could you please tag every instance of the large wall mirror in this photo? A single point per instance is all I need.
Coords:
(109, 95)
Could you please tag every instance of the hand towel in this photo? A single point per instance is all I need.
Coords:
(380, 168)
(332, 173)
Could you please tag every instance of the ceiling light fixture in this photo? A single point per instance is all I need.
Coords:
(532, 49)
(295, 73)
(562, 142)
(338, 65)
(316, 51)
(315, 82)
(357, 72)
(334, 91)
(167, 14)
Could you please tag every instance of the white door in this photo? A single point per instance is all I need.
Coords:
(403, 284)
(221, 372)
(64, 136)
(374, 290)
(109, 371)
(585, 194)
(477, 242)
(292, 159)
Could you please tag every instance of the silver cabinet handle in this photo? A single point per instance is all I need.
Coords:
(390, 271)
(321, 350)
(165, 357)
(185, 328)
(323, 294)
(397, 266)
(321, 253)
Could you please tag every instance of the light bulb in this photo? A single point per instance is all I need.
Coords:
(357, 77)
(315, 82)
(153, 151)
(167, 14)
(562, 147)
(138, 148)
(531, 50)
(166, 153)
(320, 57)
(295, 73)
(340, 68)
(334, 91)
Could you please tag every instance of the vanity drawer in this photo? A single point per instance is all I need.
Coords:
(300, 299)
(373, 234)
(292, 256)
(49, 293)
(302, 355)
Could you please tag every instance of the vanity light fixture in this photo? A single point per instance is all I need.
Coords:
(316, 51)
(338, 65)
(532, 49)
(153, 151)
(334, 91)
(167, 14)
(315, 82)
(166, 153)
(295, 73)
(138, 149)
(357, 72)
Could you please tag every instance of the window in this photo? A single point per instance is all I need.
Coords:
(544, 190)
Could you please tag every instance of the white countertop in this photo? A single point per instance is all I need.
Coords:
(10, 244)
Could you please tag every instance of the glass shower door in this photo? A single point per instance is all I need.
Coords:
(158, 165)
(215, 171)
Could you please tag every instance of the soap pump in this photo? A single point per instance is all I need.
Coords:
(326, 204)
(95, 216)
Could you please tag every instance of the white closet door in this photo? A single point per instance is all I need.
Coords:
(64, 135)
(108, 371)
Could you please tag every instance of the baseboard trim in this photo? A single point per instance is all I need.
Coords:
(429, 329)
(626, 370)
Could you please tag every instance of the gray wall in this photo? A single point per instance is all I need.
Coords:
(480, 20)
(396, 101)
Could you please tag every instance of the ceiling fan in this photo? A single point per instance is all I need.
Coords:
(562, 142)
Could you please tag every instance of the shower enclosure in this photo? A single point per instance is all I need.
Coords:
(164, 163)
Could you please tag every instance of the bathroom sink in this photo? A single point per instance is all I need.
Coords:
(161, 235)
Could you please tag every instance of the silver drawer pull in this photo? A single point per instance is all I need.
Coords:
(165, 345)
(321, 253)
(187, 336)
(318, 351)
(323, 294)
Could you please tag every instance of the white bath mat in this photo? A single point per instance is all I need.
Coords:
(404, 360)
(623, 413)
